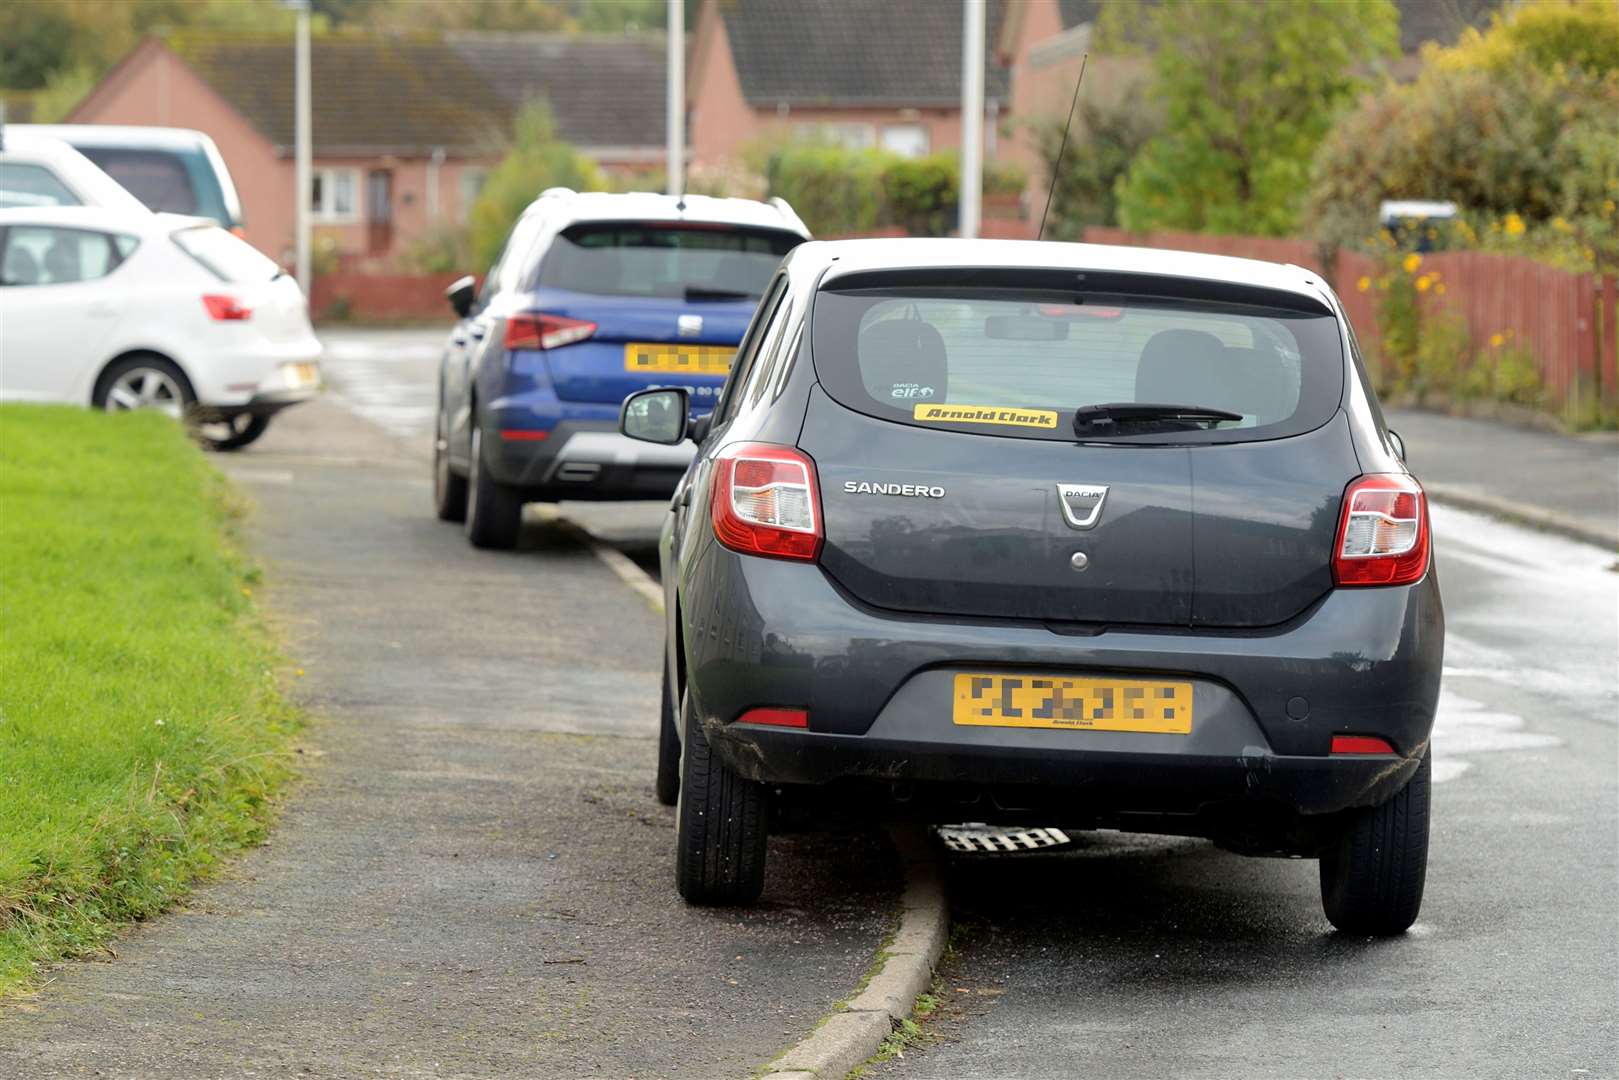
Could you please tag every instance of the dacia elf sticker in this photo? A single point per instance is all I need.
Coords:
(984, 414)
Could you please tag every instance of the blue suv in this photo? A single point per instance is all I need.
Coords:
(594, 297)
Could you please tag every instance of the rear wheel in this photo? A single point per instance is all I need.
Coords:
(668, 785)
(494, 513)
(720, 829)
(1372, 876)
(449, 487)
(232, 433)
(144, 382)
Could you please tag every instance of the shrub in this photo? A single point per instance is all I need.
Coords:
(1105, 140)
(537, 160)
(922, 194)
(1518, 146)
(442, 249)
(834, 189)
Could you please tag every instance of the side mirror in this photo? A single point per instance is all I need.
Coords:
(1398, 443)
(700, 427)
(656, 416)
(461, 293)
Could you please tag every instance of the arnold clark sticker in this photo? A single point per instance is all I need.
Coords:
(984, 414)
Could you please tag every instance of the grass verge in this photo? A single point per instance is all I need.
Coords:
(142, 735)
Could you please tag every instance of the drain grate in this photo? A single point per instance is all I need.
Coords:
(987, 838)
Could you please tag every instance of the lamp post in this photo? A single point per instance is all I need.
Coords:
(301, 153)
(972, 115)
(675, 115)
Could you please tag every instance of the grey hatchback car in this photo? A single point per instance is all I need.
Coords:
(1052, 534)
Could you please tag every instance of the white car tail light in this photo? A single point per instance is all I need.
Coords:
(766, 501)
(539, 331)
(225, 308)
(1383, 534)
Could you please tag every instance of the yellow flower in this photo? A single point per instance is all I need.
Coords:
(1440, 289)
(1363, 284)
(1513, 225)
(1561, 224)
(1424, 283)
(1412, 261)
(1497, 340)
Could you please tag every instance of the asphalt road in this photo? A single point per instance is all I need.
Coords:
(1146, 957)
(475, 879)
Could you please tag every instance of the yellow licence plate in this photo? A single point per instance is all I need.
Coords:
(305, 373)
(1039, 701)
(684, 359)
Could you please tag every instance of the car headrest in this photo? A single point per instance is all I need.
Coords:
(904, 361)
(1182, 367)
(21, 267)
(62, 261)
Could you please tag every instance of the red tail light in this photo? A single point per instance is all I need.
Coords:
(537, 331)
(1361, 744)
(775, 717)
(766, 502)
(1383, 533)
(225, 308)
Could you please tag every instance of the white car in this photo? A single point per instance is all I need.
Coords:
(38, 172)
(131, 309)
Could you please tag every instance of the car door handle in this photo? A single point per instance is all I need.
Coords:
(458, 339)
(478, 332)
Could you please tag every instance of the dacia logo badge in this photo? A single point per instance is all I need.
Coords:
(689, 325)
(1081, 503)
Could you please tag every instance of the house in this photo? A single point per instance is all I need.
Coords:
(871, 75)
(405, 130)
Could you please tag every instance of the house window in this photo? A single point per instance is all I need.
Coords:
(334, 196)
(472, 181)
(906, 140)
(853, 136)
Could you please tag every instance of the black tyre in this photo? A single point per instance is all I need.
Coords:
(720, 827)
(233, 433)
(668, 784)
(1372, 876)
(144, 381)
(494, 513)
(449, 486)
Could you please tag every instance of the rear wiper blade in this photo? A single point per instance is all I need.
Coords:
(1089, 418)
(697, 292)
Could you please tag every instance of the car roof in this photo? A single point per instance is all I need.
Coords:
(843, 257)
(104, 218)
(651, 206)
(133, 136)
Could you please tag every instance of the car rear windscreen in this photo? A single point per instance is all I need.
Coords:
(170, 181)
(676, 261)
(225, 256)
(1020, 361)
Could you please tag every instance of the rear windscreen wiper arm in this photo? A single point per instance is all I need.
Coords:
(1088, 418)
(697, 292)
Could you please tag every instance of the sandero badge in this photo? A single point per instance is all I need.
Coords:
(1082, 503)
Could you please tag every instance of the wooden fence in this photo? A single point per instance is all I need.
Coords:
(1568, 321)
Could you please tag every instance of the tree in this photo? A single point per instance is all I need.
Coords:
(1247, 90)
(1518, 125)
(537, 160)
(1104, 143)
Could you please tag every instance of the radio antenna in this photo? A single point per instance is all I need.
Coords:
(1056, 168)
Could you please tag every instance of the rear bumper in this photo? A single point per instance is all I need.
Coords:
(877, 686)
(584, 460)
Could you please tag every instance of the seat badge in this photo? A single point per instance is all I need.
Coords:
(689, 325)
(1081, 503)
